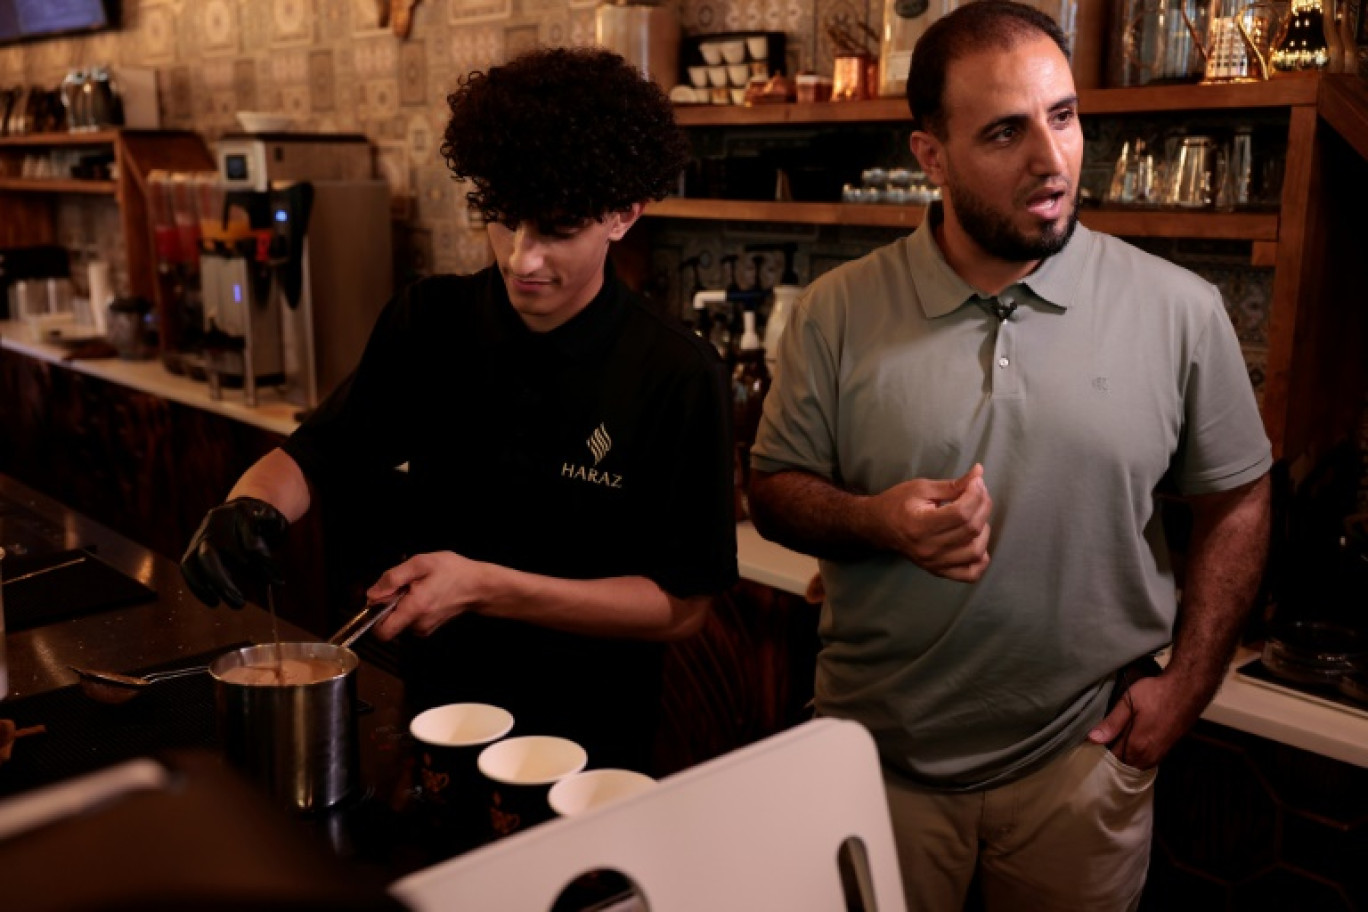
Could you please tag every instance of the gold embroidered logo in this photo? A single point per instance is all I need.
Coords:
(599, 443)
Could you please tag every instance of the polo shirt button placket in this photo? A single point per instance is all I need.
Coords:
(1006, 379)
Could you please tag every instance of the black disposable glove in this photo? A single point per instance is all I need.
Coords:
(232, 548)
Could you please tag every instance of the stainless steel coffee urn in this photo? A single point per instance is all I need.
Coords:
(296, 262)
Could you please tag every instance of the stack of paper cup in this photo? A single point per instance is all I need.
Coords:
(100, 294)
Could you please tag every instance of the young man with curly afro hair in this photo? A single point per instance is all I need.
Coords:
(566, 500)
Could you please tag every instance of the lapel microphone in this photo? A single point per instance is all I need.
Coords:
(1001, 310)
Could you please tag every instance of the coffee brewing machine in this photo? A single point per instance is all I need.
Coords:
(295, 262)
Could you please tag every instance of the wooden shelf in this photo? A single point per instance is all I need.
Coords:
(1284, 91)
(1171, 223)
(1343, 104)
(54, 185)
(95, 138)
(801, 213)
(1248, 226)
(1281, 92)
(879, 110)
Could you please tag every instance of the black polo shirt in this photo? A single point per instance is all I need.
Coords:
(599, 449)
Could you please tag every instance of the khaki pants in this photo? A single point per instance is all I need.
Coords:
(1074, 835)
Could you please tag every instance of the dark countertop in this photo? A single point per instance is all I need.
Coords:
(379, 830)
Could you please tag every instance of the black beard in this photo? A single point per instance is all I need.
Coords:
(998, 237)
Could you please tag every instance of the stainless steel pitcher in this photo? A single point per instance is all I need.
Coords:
(299, 741)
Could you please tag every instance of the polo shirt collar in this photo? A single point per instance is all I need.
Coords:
(941, 290)
(579, 336)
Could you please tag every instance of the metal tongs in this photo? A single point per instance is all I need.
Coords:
(365, 619)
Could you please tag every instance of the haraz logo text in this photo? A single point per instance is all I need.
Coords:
(599, 444)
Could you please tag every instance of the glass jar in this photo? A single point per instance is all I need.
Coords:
(1157, 41)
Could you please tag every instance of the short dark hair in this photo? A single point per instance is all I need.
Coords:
(973, 27)
(560, 136)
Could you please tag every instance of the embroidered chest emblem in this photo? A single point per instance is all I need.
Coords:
(599, 443)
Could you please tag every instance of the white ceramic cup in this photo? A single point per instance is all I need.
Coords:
(717, 76)
(757, 46)
(711, 51)
(698, 76)
(734, 50)
(591, 789)
(738, 74)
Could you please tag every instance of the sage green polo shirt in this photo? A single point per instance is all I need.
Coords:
(1115, 369)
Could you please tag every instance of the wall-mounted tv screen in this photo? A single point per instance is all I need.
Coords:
(24, 20)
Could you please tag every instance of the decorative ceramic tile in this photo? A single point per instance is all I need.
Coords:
(218, 27)
(422, 139)
(256, 29)
(103, 46)
(245, 84)
(289, 67)
(222, 107)
(376, 58)
(217, 74)
(445, 247)
(462, 12)
(294, 101)
(291, 22)
(377, 98)
(518, 39)
(322, 81)
(179, 103)
(704, 16)
(333, 20)
(413, 73)
(555, 31)
(436, 196)
(369, 17)
(583, 29)
(60, 55)
(476, 49)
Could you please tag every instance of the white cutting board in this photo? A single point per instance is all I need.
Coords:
(759, 828)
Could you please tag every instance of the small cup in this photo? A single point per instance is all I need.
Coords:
(738, 74)
(698, 76)
(719, 95)
(717, 76)
(738, 96)
(450, 739)
(520, 774)
(734, 51)
(758, 47)
(711, 51)
(813, 88)
(592, 789)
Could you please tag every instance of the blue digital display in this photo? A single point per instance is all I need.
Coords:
(23, 19)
